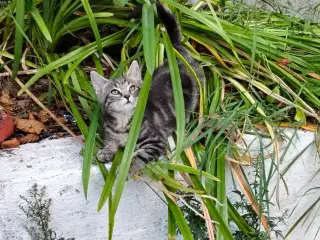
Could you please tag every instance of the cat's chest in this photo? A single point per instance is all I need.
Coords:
(123, 123)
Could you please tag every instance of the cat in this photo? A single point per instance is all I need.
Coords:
(119, 97)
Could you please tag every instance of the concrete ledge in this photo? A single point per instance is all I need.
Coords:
(142, 214)
(57, 165)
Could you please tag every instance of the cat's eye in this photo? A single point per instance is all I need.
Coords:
(132, 88)
(115, 92)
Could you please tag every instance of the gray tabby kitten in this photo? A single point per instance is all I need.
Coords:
(119, 97)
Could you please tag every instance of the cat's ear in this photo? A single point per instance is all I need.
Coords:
(134, 73)
(99, 83)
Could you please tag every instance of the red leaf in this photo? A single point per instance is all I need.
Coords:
(6, 128)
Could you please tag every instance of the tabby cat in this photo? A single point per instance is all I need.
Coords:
(119, 97)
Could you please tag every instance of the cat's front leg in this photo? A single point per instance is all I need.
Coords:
(106, 154)
(148, 150)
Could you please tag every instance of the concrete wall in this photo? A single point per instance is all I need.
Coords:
(142, 214)
(307, 9)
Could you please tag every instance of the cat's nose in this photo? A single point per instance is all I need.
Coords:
(127, 96)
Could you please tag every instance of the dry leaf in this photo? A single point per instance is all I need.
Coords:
(30, 138)
(29, 126)
(284, 61)
(60, 135)
(247, 192)
(6, 127)
(63, 120)
(5, 98)
(44, 116)
(6, 101)
(308, 126)
(314, 75)
(31, 117)
(13, 143)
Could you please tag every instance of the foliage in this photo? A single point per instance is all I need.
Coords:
(262, 69)
(196, 223)
(37, 211)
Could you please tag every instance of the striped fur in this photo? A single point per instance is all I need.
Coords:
(159, 120)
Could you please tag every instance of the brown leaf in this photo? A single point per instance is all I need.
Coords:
(30, 138)
(44, 116)
(284, 61)
(6, 127)
(63, 120)
(308, 126)
(247, 192)
(60, 135)
(6, 101)
(314, 75)
(5, 98)
(13, 143)
(31, 117)
(29, 126)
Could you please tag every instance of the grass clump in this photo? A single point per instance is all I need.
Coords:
(262, 72)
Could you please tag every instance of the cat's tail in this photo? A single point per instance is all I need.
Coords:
(169, 21)
(171, 24)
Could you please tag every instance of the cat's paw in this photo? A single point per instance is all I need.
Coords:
(136, 165)
(105, 156)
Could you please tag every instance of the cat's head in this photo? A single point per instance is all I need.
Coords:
(119, 95)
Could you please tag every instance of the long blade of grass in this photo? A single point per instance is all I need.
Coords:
(130, 145)
(73, 56)
(186, 169)
(196, 15)
(177, 92)
(107, 189)
(171, 218)
(41, 24)
(18, 38)
(94, 26)
(301, 218)
(221, 188)
(148, 36)
(241, 223)
(181, 222)
(120, 3)
(89, 149)
(209, 203)
(246, 190)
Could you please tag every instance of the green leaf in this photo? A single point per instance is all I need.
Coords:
(130, 145)
(221, 187)
(18, 38)
(302, 217)
(73, 56)
(41, 24)
(107, 188)
(213, 23)
(148, 37)
(172, 226)
(180, 220)
(93, 24)
(186, 169)
(89, 149)
(120, 3)
(223, 228)
(300, 116)
(276, 90)
(177, 92)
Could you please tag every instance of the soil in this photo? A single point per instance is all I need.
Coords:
(23, 107)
